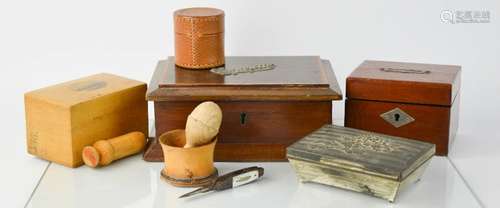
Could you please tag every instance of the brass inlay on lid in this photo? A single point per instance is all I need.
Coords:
(247, 69)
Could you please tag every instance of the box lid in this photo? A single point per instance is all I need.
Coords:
(301, 78)
(404, 82)
(84, 89)
(199, 20)
(362, 151)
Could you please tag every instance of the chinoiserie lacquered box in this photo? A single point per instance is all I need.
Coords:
(264, 111)
(375, 164)
(411, 100)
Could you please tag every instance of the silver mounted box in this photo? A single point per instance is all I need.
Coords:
(362, 161)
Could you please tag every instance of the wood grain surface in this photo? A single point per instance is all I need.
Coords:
(62, 119)
(429, 93)
(263, 112)
(437, 87)
(432, 123)
(294, 78)
(268, 127)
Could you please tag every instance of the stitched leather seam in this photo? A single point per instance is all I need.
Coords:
(200, 33)
(202, 19)
(193, 59)
(207, 65)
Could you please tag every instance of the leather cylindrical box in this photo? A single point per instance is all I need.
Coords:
(199, 38)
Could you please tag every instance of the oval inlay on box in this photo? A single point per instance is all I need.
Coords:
(88, 85)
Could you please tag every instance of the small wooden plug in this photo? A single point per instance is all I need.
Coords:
(103, 152)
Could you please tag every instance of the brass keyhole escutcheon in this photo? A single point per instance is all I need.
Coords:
(243, 118)
(397, 116)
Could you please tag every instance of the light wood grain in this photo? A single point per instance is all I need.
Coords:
(62, 119)
(104, 152)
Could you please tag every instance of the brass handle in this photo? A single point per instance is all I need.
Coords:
(405, 71)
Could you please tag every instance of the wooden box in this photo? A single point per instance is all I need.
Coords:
(417, 101)
(62, 119)
(361, 161)
(263, 112)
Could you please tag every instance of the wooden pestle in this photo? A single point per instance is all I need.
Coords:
(103, 152)
(203, 124)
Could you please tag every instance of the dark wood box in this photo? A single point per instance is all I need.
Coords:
(263, 112)
(417, 101)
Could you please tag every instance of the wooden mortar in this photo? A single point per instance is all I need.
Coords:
(188, 167)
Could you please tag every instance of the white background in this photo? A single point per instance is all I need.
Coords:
(51, 41)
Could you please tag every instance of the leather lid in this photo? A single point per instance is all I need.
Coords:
(404, 82)
(199, 20)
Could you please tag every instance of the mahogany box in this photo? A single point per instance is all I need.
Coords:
(411, 100)
(264, 111)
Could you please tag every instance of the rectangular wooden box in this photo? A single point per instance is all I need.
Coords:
(374, 164)
(417, 101)
(263, 112)
(62, 119)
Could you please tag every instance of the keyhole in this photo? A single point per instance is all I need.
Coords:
(396, 116)
(243, 118)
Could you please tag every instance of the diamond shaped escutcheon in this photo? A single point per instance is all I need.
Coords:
(397, 117)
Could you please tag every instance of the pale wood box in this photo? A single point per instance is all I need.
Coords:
(374, 164)
(63, 118)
